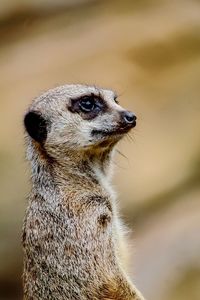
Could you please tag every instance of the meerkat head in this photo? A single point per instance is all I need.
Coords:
(77, 117)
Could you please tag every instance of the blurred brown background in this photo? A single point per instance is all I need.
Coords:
(149, 52)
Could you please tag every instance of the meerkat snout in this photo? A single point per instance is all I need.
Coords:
(129, 118)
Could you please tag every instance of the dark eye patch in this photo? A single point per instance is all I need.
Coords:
(88, 106)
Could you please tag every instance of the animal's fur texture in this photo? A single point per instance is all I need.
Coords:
(72, 229)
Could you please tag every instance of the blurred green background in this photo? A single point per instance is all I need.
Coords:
(149, 52)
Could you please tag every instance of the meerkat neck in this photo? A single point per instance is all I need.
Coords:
(88, 165)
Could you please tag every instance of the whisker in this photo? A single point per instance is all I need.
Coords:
(130, 137)
(116, 164)
(123, 155)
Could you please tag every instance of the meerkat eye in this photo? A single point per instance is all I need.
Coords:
(87, 104)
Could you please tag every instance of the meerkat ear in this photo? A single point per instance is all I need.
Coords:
(36, 126)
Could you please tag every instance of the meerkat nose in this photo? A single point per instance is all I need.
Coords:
(129, 118)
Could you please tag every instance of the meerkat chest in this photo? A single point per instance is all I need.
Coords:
(93, 206)
(91, 212)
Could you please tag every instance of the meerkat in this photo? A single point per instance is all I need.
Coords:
(72, 231)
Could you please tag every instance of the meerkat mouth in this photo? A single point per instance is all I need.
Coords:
(116, 132)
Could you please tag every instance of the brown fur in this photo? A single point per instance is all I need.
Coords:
(71, 228)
